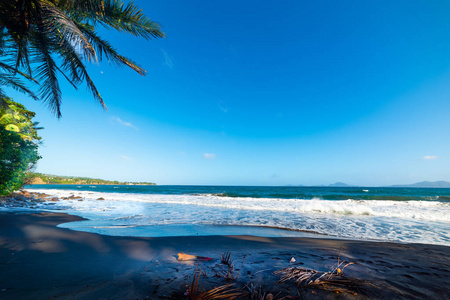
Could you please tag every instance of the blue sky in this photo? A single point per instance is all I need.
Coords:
(266, 93)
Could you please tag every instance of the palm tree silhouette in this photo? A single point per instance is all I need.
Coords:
(43, 38)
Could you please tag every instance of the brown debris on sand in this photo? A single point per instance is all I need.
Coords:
(226, 259)
(256, 293)
(332, 280)
(196, 291)
(229, 275)
(185, 257)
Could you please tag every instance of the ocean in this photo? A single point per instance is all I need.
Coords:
(405, 215)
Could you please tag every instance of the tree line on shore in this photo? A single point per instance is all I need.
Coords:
(41, 41)
(39, 178)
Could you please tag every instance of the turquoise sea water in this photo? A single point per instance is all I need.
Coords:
(284, 192)
(393, 214)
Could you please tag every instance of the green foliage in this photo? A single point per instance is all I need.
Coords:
(16, 157)
(15, 117)
(55, 179)
(18, 145)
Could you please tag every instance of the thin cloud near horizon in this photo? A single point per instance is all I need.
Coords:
(209, 156)
(124, 123)
(221, 106)
(167, 59)
(429, 157)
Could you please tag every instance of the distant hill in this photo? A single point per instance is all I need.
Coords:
(426, 184)
(39, 178)
(338, 184)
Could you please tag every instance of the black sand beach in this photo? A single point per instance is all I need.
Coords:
(40, 261)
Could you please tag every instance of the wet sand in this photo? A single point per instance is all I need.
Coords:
(40, 261)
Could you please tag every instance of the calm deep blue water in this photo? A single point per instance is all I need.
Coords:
(390, 214)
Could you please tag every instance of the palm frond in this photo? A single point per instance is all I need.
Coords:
(103, 47)
(22, 59)
(3, 38)
(36, 126)
(13, 70)
(129, 18)
(41, 38)
(58, 24)
(73, 63)
(15, 22)
(17, 84)
(91, 86)
(46, 73)
(69, 80)
(81, 7)
(195, 290)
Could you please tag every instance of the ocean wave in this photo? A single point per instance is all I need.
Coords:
(443, 198)
(353, 196)
(414, 210)
(405, 221)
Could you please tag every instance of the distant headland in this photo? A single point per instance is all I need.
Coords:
(426, 184)
(39, 178)
(422, 184)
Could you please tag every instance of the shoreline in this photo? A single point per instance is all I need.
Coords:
(38, 200)
(219, 230)
(88, 184)
(198, 230)
(39, 260)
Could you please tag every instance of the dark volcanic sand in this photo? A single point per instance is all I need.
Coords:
(40, 261)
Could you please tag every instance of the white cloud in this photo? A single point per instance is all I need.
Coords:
(429, 157)
(167, 59)
(124, 157)
(222, 107)
(127, 124)
(209, 156)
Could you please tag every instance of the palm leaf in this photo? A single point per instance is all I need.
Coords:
(58, 24)
(36, 34)
(81, 7)
(22, 59)
(13, 70)
(103, 47)
(128, 18)
(73, 63)
(15, 83)
(14, 20)
(221, 292)
(46, 73)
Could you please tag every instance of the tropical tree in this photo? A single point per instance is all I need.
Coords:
(19, 142)
(15, 117)
(42, 39)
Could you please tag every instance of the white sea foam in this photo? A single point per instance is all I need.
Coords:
(408, 221)
(416, 210)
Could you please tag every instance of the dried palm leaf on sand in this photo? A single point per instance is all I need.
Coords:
(332, 280)
(196, 292)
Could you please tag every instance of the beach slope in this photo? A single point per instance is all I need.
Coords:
(40, 261)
